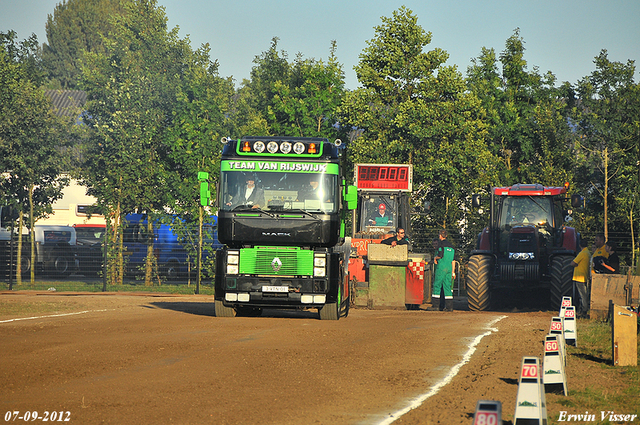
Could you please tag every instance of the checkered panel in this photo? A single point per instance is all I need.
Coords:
(417, 268)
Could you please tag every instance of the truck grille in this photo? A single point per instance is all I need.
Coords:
(281, 261)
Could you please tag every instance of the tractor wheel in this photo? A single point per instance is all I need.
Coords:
(561, 279)
(478, 273)
(224, 311)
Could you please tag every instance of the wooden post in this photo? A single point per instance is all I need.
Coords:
(624, 329)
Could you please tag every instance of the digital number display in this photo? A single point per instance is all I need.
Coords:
(384, 177)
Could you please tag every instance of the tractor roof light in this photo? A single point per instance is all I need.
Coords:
(259, 146)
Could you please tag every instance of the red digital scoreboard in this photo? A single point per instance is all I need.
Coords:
(390, 177)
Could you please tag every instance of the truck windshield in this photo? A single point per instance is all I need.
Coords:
(378, 213)
(526, 211)
(279, 191)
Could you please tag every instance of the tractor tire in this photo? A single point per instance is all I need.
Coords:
(561, 280)
(478, 291)
(224, 311)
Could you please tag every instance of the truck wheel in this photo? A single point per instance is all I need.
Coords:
(62, 266)
(478, 273)
(561, 279)
(171, 270)
(224, 311)
(329, 312)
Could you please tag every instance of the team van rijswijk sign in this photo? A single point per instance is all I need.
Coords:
(295, 167)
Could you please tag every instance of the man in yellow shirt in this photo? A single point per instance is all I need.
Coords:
(580, 273)
(600, 250)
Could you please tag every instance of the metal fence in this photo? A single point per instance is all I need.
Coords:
(62, 267)
(81, 268)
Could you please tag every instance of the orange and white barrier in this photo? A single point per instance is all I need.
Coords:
(531, 405)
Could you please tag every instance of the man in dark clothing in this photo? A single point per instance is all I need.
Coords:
(249, 194)
(398, 239)
(611, 264)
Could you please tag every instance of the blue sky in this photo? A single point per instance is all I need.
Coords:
(561, 36)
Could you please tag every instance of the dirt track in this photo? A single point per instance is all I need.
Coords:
(142, 359)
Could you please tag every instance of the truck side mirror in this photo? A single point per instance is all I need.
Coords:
(476, 200)
(205, 194)
(350, 197)
(577, 201)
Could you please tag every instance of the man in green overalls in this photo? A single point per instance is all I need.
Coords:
(444, 273)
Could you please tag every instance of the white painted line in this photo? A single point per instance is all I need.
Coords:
(416, 402)
(52, 315)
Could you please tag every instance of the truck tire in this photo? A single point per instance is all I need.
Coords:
(63, 265)
(478, 292)
(171, 270)
(561, 280)
(224, 311)
(329, 312)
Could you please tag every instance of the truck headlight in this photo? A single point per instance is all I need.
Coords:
(233, 260)
(320, 265)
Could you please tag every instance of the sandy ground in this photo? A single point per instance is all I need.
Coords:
(166, 359)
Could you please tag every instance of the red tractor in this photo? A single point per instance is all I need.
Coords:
(525, 247)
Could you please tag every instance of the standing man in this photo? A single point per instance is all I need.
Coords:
(398, 239)
(444, 273)
(599, 251)
(580, 275)
(611, 264)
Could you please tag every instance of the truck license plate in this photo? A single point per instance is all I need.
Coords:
(275, 289)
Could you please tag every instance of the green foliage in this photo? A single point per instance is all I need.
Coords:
(30, 133)
(290, 99)
(156, 111)
(528, 130)
(75, 27)
(608, 122)
(414, 109)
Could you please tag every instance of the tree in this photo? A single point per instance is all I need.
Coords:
(290, 99)
(157, 110)
(30, 137)
(133, 89)
(75, 27)
(608, 118)
(412, 108)
(526, 116)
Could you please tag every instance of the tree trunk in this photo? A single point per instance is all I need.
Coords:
(148, 267)
(19, 254)
(34, 260)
